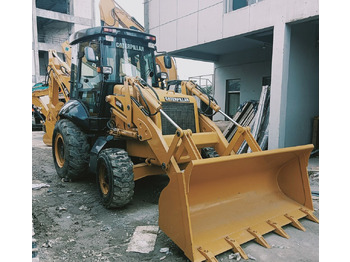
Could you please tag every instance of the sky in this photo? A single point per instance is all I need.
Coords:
(186, 68)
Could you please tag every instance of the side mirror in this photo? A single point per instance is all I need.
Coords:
(167, 62)
(90, 54)
(162, 76)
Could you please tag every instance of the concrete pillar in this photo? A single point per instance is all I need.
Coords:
(36, 70)
(146, 15)
(96, 18)
(279, 84)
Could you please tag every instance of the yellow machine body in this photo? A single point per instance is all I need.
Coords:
(51, 99)
(215, 204)
(226, 199)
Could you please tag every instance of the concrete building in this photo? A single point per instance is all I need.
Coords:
(251, 43)
(53, 22)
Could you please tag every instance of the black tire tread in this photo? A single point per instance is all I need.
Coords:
(77, 146)
(123, 177)
(209, 152)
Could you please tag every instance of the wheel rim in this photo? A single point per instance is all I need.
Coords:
(59, 150)
(103, 179)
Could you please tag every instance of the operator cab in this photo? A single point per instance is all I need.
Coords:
(101, 58)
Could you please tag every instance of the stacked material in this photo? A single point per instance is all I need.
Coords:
(255, 115)
(244, 116)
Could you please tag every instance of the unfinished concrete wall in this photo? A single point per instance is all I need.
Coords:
(303, 84)
(53, 23)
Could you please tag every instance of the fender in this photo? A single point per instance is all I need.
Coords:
(76, 111)
(96, 149)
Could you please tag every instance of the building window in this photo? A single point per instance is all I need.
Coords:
(233, 93)
(43, 62)
(232, 5)
(60, 6)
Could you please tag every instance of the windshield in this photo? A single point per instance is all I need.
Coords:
(130, 57)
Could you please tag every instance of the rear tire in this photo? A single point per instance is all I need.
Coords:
(115, 177)
(70, 149)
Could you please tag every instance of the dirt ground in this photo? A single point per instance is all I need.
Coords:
(70, 223)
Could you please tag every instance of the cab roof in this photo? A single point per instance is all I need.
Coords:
(88, 33)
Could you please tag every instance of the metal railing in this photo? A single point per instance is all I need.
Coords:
(205, 81)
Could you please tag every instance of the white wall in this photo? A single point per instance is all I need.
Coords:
(193, 22)
(250, 66)
(293, 66)
(303, 84)
(83, 8)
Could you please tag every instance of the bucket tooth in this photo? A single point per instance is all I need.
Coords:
(259, 238)
(236, 247)
(207, 254)
(309, 215)
(278, 229)
(295, 222)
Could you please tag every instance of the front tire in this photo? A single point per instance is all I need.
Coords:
(209, 152)
(115, 177)
(70, 149)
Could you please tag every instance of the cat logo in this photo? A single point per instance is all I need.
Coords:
(177, 99)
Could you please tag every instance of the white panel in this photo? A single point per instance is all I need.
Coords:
(301, 9)
(168, 11)
(167, 37)
(187, 31)
(210, 24)
(154, 13)
(207, 3)
(82, 8)
(236, 22)
(186, 7)
(260, 15)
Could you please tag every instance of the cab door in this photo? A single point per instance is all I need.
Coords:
(89, 79)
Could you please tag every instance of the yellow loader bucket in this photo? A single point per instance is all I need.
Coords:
(219, 203)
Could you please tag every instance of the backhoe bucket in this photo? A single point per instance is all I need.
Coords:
(219, 203)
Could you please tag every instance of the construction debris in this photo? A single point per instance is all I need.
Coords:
(235, 256)
(143, 239)
(164, 250)
(244, 117)
(255, 115)
(251, 257)
(61, 209)
(84, 208)
(48, 243)
(39, 186)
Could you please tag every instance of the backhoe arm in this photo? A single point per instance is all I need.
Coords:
(189, 86)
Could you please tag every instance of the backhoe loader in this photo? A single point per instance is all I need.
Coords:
(121, 125)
